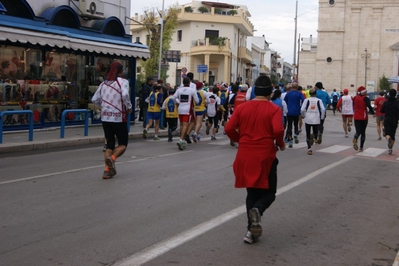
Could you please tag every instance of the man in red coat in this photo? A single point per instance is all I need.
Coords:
(361, 107)
(257, 127)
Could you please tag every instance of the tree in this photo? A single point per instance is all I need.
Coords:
(232, 12)
(150, 22)
(203, 9)
(188, 9)
(384, 84)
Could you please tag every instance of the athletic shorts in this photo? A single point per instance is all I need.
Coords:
(347, 116)
(154, 115)
(185, 118)
(380, 118)
(115, 129)
(200, 113)
(214, 120)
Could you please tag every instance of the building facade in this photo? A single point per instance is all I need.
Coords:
(215, 36)
(55, 53)
(358, 42)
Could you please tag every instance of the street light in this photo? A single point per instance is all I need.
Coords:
(160, 42)
(365, 56)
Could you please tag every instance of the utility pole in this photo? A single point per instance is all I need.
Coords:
(365, 56)
(160, 41)
(296, 27)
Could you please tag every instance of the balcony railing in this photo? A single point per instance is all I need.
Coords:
(212, 46)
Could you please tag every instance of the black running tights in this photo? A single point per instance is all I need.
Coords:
(361, 126)
(315, 132)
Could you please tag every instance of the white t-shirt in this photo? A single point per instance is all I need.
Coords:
(310, 109)
(184, 97)
(114, 100)
(213, 101)
(347, 105)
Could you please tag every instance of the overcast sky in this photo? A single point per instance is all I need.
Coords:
(272, 18)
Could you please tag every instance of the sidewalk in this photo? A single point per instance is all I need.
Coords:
(17, 141)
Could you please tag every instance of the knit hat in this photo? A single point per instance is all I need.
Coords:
(392, 93)
(199, 85)
(361, 89)
(319, 85)
(346, 91)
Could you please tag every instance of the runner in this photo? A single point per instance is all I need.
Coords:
(379, 116)
(214, 111)
(184, 97)
(231, 103)
(257, 127)
(391, 110)
(313, 112)
(300, 117)
(276, 99)
(199, 111)
(224, 100)
(294, 99)
(346, 102)
(335, 97)
(171, 114)
(113, 96)
(323, 96)
(360, 105)
(154, 111)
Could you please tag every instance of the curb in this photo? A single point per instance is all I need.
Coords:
(66, 142)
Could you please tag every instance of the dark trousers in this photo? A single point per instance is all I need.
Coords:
(390, 126)
(315, 132)
(361, 126)
(263, 198)
(334, 106)
(292, 120)
(321, 126)
(172, 126)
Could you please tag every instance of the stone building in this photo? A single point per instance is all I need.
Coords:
(358, 42)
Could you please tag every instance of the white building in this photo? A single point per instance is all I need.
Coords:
(196, 38)
(357, 43)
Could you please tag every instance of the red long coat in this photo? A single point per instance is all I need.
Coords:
(256, 126)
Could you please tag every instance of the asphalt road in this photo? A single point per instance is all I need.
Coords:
(170, 207)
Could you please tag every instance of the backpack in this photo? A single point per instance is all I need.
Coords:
(222, 97)
(318, 106)
(335, 98)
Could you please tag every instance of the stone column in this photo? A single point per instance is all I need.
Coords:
(206, 62)
(226, 76)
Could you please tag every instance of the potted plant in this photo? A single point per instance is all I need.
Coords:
(219, 41)
(203, 9)
(188, 9)
(232, 12)
(218, 11)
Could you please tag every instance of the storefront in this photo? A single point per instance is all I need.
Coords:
(51, 63)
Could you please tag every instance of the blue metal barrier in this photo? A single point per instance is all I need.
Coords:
(86, 132)
(162, 119)
(128, 122)
(17, 112)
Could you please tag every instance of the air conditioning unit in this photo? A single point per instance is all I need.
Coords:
(92, 8)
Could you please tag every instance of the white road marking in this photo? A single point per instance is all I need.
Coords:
(396, 262)
(86, 168)
(165, 246)
(221, 143)
(334, 149)
(371, 152)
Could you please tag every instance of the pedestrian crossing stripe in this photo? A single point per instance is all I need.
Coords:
(221, 143)
(371, 152)
(334, 149)
(297, 146)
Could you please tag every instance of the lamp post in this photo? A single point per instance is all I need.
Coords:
(365, 56)
(160, 41)
(296, 28)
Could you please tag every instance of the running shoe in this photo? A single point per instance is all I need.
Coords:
(187, 139)
(349, 128)
(180, 145)
(105, 148)
(311, 140)
(361, 149)
(194, 137)
(346, 136)
(106, 175)
(199, 137)
(184, 144)
(156, 138)
(390, 145)
(319, 138)
(390, 151)
(249, 238)
(232, 143)
(290, 144)
(170, 140)
(207, 130)
(296, 139)
(145, 133)
(354, 141)
(379, 138)
(285, 140)
(111, 166)
(310, 152)
(255, 228)
(213, 138)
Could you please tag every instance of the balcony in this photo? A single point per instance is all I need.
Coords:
(202, 46)
(216, 15)
(245, 54)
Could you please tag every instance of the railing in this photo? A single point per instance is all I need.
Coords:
(63, 115)
(17, 112)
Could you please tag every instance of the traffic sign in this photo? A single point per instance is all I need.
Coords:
(184, 69)
(202, 68)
